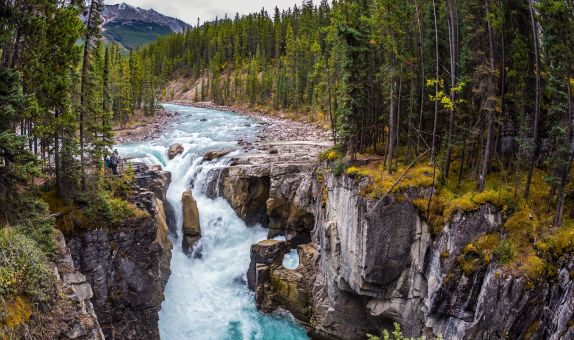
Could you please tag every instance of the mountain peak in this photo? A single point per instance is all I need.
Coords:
(134, 26)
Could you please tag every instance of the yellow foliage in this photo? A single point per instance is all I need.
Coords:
(463, 203)
(488, 242)
(562, 241)
(17, 312)
(522, 225)
(534, 268)
(329, 155)
(353, 171)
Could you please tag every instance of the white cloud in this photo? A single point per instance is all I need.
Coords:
(205, 10)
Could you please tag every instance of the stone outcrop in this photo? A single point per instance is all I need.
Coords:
(158, 181)
(174, 150)
(191, 227)
(127, 267)
(217, 154)
(275, 189)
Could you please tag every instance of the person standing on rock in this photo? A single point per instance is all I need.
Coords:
(114, 162)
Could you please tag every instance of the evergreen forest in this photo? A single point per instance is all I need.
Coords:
(472, 97)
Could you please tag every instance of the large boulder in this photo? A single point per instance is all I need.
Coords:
(174, 150)
(191, 227)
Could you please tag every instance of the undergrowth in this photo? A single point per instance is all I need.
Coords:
(107, 206)
(26, 277)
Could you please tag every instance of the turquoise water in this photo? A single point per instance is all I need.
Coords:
(207, 298)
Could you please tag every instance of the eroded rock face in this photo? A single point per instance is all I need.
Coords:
(158, 181)
(276, 286)
(174, 150)
(379, 265)
(73, 314)
(127, 268)
(247, 190)
(191, 227)
(375, 263)
(275, 189)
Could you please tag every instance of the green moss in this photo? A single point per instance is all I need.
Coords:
(478, 254)
(532, 330)
(506, 251)
(534, 268)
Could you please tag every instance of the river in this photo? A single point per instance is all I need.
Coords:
(207, 297)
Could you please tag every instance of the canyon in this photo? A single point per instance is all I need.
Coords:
(363, 263)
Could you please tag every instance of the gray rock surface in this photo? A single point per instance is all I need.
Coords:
(75, 319)
(376, 264)
(275, 189)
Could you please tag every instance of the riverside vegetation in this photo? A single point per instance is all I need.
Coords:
(470, 97)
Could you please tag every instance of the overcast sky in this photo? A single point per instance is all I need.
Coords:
(190, 10)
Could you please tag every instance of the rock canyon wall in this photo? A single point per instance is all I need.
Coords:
(128, 266)
(365, 265)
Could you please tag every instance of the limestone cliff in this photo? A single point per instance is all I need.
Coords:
(274, 189)
(369, 264)
(128, 266)
(379, 265)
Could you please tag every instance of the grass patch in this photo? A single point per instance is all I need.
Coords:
(106, 207)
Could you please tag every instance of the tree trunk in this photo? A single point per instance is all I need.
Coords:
(537, 101)
(559, 217)
(490, 107)
(84, 84)
(422, 70)
(452, 28)
(398, 114)
(433, 145)
(391, 126)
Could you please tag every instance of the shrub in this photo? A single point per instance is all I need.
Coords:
(396, 334)
(332, 154)
(353, 171)
(339, 168)
(505, 251)
(34, 221)
(24, 272)
(105, 210)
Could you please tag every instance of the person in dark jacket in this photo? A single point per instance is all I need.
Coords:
(114, 162)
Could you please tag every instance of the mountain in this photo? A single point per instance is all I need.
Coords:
(133, 26)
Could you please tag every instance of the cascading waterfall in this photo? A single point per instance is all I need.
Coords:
(206, 296)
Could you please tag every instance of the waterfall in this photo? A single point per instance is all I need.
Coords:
(206, 296)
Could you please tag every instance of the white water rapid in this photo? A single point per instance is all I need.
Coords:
(207, 298)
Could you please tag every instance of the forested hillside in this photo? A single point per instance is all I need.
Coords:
(472, 97)
(58, 102)
(483, 84)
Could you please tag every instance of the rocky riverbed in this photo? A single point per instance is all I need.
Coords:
(145, 128)
(273, 129)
